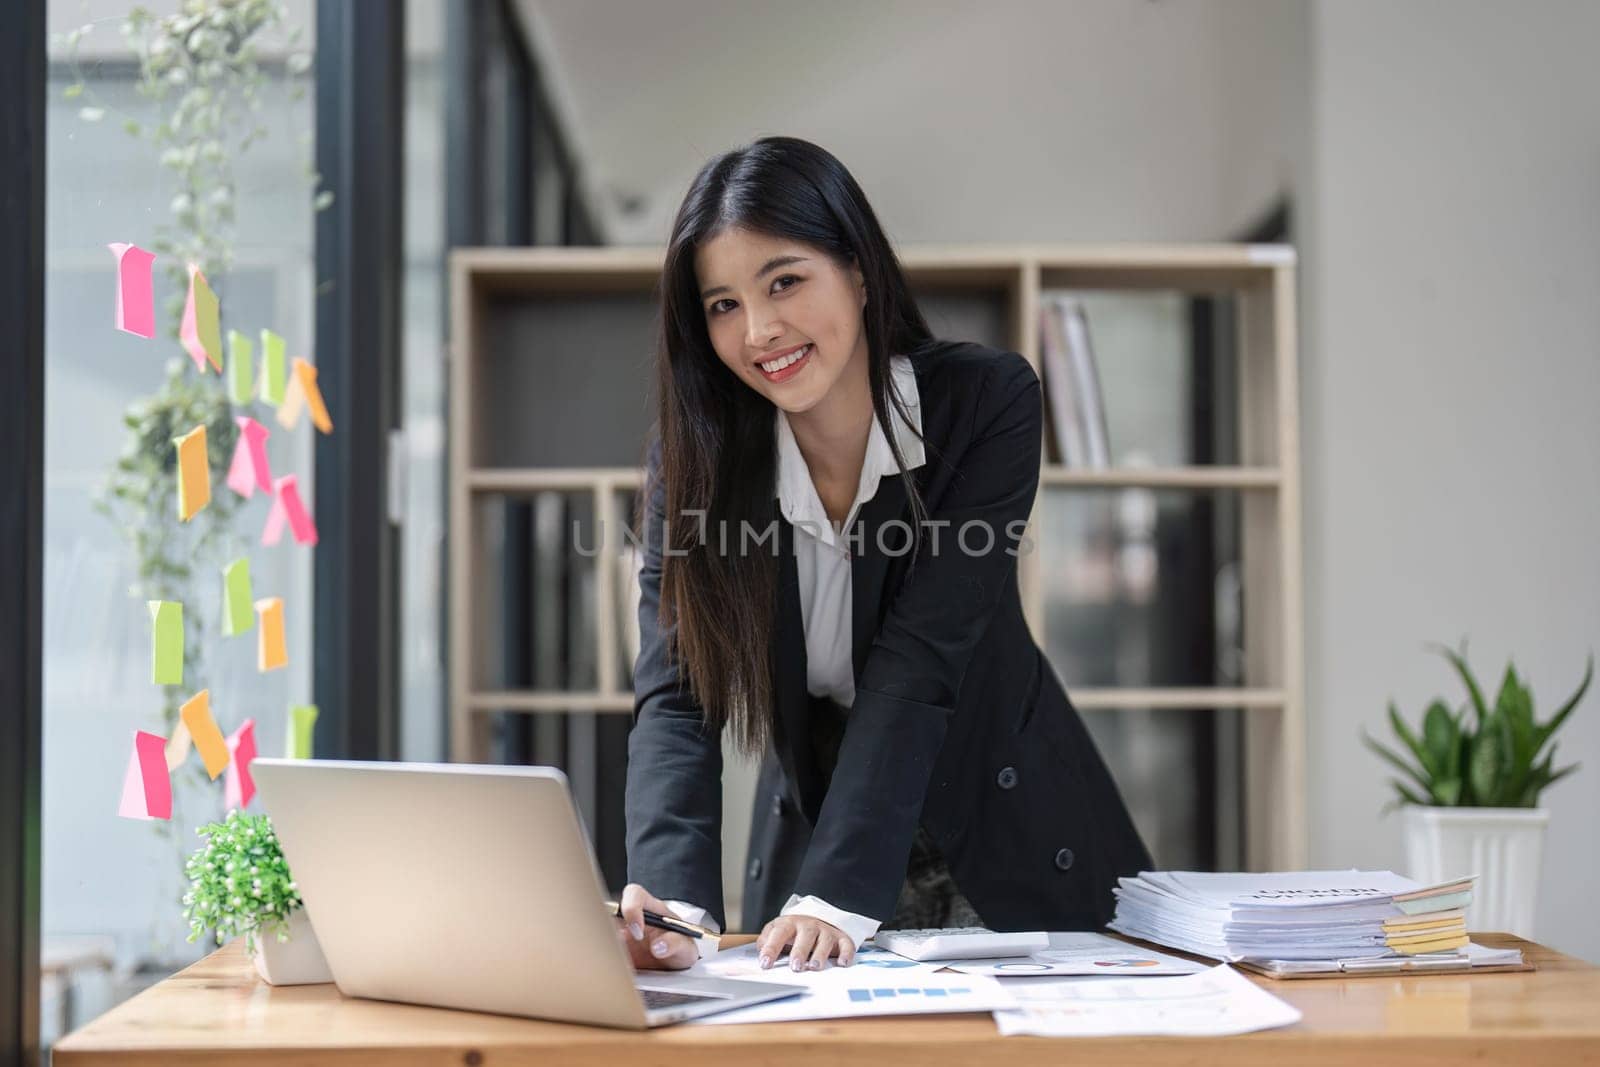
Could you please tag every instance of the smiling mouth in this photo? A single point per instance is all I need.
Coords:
(786, 366)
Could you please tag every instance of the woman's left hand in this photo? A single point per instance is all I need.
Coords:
(810, 942)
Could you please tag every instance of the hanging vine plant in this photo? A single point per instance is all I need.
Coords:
(203, 69)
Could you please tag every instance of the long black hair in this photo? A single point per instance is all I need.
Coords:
(718, 454)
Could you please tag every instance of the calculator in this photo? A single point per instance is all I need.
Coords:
(959, 943)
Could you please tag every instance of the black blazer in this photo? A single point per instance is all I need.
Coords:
(958, 723)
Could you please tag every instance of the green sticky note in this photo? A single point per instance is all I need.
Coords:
(302, 717)
(241, 368)
(201, 328)
(273, 372)
(166, 642)
(238, 609)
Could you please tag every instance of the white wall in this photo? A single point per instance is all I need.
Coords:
(1450, 374)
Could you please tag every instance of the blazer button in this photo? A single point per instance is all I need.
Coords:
(1064, 859)
(1007, 778)
(755, 867)
(777, 803)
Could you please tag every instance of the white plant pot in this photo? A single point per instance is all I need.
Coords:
(297, 961)
(1504, 847)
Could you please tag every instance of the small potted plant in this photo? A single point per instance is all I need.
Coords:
(240, 884)
(1471, 788)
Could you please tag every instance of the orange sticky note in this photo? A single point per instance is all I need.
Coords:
(271, 652)
(208, 741)
(201, 329)
(303, 392)
(194, 473)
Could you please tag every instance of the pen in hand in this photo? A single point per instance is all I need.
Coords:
(665, 922)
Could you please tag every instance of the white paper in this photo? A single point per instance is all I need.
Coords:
(1082, 953)
(877, 983)
(1473, 954)
(1214, 1003)
(744, 962)
(1484, 956)
(1292, 894)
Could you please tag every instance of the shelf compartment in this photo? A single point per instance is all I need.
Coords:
(1175, 697)
(548, 700)
(1054, 475)
(1201, 698)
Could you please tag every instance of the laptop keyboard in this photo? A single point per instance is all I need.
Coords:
(662, 998)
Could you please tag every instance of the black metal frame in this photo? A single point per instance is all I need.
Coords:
(360, 109)
(522, 111)
(463, 62)
(22, 193)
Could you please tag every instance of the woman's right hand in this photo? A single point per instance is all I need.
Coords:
(650, 947)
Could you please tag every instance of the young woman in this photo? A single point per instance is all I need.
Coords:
(842, 597)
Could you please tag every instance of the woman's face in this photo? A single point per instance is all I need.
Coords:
(766, 299)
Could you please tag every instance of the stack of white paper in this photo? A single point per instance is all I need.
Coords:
(1296, 915)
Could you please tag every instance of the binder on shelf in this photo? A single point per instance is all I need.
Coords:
(1075, 407)
(548, 652)
(629, 562)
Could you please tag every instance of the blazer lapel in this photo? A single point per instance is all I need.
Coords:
(792, 703)
(869, 563)
(869, 567)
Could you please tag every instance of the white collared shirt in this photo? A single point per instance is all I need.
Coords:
(822, 567)
(822, 555)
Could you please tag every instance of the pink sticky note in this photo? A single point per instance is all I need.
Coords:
(238, 787)
(146, 787)
(136, 305)
(249, 470)
(290, 509)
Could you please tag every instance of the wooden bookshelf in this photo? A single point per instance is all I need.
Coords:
(508, 304)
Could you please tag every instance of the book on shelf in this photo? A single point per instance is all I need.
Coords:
(581, 753)
(1075, 406)
(629, 561)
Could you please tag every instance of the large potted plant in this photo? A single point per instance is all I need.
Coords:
(1470, 790)
(239, 883)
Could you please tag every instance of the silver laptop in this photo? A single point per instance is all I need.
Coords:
(469, 887)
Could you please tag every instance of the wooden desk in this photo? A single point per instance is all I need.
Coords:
(218, 1012)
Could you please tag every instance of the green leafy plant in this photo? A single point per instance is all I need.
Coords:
(1491, 761)
(239, 882)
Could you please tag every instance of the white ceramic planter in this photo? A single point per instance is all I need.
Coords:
(297, 961)
(1504, 847)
